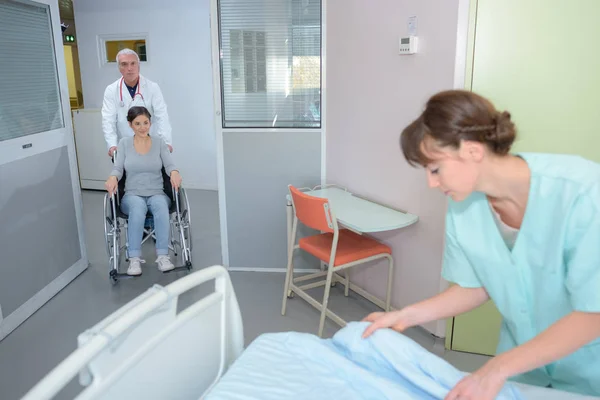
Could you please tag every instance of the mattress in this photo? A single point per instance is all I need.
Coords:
(387, 365)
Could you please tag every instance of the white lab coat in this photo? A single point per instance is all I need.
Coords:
(114, 117)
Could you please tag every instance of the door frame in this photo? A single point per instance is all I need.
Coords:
(219, 130)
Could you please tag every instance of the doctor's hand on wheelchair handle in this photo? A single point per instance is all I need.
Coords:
(111, 185)
(111, 151)
(175, 180)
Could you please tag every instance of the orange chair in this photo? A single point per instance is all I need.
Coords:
(340, 249)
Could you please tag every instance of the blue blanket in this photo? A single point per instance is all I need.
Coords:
(387, 365)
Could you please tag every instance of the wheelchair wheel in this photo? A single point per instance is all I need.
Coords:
(109, 222)
(113, 276)
(116, 254)
(185, 229)
(112, 236)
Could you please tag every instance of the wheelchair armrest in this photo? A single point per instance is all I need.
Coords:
(176, 194)
(113, 203)
(115, 197)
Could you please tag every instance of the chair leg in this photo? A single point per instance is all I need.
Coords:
(346, 282)
(325, 301)
(289, 273)
(286, 286)
(388, 299)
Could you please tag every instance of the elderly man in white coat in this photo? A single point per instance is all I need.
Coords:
(132, 89)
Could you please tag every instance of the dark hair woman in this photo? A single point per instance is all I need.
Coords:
(144, 157)
(522, 230)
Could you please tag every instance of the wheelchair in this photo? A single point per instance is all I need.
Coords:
(115, 228)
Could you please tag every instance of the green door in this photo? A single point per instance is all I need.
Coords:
(539, 60)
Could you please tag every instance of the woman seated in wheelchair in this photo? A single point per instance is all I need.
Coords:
(143, 157)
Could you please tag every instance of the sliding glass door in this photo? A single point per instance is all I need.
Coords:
(41, 235)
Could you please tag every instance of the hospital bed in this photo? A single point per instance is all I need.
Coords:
(155, 348)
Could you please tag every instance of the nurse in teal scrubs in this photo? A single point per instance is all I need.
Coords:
(522, 230)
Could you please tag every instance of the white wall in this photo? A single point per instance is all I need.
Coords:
(372, 94)
(179, 61)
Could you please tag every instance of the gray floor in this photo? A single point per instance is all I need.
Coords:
(50, 334)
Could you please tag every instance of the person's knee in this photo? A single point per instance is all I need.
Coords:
(159, 206)
(138, 212)
(135, 206)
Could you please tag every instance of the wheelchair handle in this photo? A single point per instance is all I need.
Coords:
(114, 204)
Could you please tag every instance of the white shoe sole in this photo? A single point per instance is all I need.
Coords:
(134, 274)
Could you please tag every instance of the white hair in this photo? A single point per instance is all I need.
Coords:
(127, 51)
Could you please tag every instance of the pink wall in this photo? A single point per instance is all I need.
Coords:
(372, 93)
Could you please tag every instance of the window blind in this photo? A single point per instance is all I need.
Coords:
(270, 63)
(29, 91)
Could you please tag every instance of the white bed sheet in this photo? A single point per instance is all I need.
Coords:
(386, 366)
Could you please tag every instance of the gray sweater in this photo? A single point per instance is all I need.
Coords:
(144, 176)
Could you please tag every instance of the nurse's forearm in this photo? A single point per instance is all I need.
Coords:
(559, 340)
(453, 301)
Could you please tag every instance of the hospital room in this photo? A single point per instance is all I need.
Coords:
(302, 199)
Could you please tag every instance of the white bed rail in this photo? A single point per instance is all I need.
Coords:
(146, 350)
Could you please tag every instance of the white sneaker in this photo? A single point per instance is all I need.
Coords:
(164, 263)
(135, 267)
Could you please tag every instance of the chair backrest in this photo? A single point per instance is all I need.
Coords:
(312, 211)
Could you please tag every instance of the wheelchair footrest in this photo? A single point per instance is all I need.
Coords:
(186, 267)
(115, 276)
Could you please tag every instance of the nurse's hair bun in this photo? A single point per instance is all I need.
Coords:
(505, 134)
(454, 116)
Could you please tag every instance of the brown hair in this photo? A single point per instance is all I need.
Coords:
(136, 111)
(453, 116)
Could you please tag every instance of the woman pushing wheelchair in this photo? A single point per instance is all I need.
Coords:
(144, 157)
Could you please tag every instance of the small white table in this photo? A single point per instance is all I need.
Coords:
(355, 213)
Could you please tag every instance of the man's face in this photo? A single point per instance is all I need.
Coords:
(129, 67)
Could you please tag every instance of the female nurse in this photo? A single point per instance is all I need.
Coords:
(522, 230)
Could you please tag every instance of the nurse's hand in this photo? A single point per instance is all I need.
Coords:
(397, 320)
(175, 180)
(483, 384)
(111, 151)
(170, 148)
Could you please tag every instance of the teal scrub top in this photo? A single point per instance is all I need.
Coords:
(552, 270)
